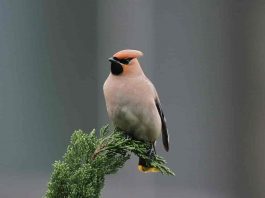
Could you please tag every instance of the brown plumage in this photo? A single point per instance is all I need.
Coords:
(132, 101)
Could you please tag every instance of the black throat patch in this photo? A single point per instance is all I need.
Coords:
(116, 68)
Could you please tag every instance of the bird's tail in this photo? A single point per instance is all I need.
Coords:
(143, 166)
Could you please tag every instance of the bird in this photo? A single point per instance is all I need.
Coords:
(133, 104)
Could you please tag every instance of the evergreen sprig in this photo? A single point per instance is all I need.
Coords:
(89, 158)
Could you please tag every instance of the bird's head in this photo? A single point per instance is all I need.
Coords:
(125, 62)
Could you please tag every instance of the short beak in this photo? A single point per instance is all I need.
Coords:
(112, 60)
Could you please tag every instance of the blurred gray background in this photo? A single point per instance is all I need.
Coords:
(206, 59)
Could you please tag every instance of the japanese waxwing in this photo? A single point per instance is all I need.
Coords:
(132, 102)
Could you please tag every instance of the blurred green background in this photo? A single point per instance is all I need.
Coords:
(206, 59)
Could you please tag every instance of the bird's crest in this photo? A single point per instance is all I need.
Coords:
(128, 53)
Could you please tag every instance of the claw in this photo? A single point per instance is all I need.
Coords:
(127, 136)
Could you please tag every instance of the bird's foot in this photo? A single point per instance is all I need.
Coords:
(151, 151)
(128, 136)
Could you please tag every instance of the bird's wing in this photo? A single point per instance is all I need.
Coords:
(165, 136)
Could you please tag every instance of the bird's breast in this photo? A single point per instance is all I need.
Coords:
(133, 110)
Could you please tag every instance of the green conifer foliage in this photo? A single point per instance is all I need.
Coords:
(81, 172)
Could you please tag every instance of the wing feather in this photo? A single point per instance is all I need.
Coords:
(165, 136)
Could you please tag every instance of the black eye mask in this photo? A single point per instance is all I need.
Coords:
(125, 61)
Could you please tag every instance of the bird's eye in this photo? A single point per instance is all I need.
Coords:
(124, 61)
